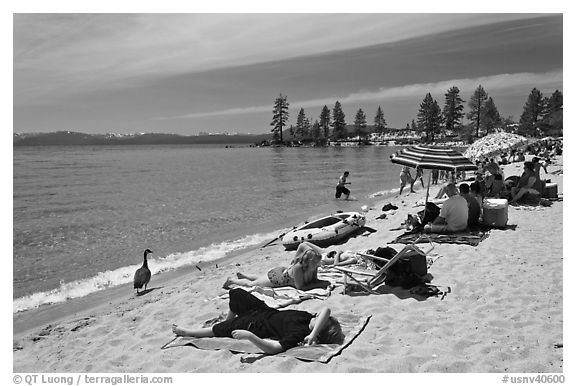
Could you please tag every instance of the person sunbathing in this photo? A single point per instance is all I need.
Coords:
(453, 216)
(271, 330)
(301, 274)
(339, 258)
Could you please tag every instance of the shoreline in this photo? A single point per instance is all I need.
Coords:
(26, 320)
(481, 326)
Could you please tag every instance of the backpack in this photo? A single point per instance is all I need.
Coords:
(428, 216)
(407, 272)
(384, 252)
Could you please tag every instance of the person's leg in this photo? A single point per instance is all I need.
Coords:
(241, 275)
(346, 192)
(197, 333)
(242, 302)
(441, 192)
(242, 282)
(522, 192)
(439, 228)
(262, 281)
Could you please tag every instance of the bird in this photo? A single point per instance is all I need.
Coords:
(143, 274)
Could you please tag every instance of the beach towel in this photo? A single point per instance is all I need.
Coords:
(282, 296)
(472, 238)
(538, 204)
(352, 325)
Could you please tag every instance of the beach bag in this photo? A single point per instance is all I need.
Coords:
(407, 272)
(428, 216)
(384, 252)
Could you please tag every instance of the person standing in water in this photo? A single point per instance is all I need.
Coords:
(341, 188)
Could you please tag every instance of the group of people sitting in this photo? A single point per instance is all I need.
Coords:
(273, 330)
(513, 188)
(462, 208)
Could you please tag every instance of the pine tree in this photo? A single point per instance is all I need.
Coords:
(532, 114)
(429, 117)
(339, 122)
(325, 120)
(279, 116)
(552, 122)
(359, 123)
(477, 103)
(453, 109)
(491, 118)
(413, 126)
(316, 131)
(302, 125)
(292, 132)
(379, 121)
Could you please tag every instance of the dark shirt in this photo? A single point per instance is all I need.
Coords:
(474, 209)
(289, 327)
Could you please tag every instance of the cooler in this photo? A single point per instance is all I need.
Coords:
(495, 212)
(551, 191)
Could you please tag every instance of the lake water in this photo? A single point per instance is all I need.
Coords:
(83, 215)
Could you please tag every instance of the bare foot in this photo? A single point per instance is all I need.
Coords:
(240, 275)
(178, 331)
(227, 283)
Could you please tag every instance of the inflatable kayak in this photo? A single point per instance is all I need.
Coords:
(325, 231)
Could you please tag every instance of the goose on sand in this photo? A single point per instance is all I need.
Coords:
(143, 274)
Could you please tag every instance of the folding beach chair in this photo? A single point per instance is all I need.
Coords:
(373, 279)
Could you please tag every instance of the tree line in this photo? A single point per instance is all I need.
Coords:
(541, 116)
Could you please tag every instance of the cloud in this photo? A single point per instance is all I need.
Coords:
(494, 83)
(67, 53)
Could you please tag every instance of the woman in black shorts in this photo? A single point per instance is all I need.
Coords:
(271, 330)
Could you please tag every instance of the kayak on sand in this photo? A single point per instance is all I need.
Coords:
(325, 231)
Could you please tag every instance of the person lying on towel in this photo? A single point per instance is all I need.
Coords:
(271, 330)
(453, 216)
(302, 273)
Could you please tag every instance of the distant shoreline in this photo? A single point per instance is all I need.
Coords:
(69, 138)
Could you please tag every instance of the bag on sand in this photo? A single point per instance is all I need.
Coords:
(432, 211)
(384, 252)
(408, 271)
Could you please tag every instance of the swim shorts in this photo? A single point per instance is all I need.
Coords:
(340, 190)
(280, 278)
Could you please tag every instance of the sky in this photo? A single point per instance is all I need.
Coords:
(188, 73)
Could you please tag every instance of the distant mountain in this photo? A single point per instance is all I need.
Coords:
(73, 138)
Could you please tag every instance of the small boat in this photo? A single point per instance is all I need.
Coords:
(325, 231)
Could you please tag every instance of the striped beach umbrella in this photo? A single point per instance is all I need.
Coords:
(433, 157)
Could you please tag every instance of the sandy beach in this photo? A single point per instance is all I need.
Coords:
(504, 312)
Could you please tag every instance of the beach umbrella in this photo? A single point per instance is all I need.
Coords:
(433, 157)
(493, 144)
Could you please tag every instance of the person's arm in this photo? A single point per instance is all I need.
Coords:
(321, 320)
(300, 283)
(306, 245)
(269, 346)
(531, 181)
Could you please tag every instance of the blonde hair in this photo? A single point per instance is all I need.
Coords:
(332, 332)
(308, 260)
